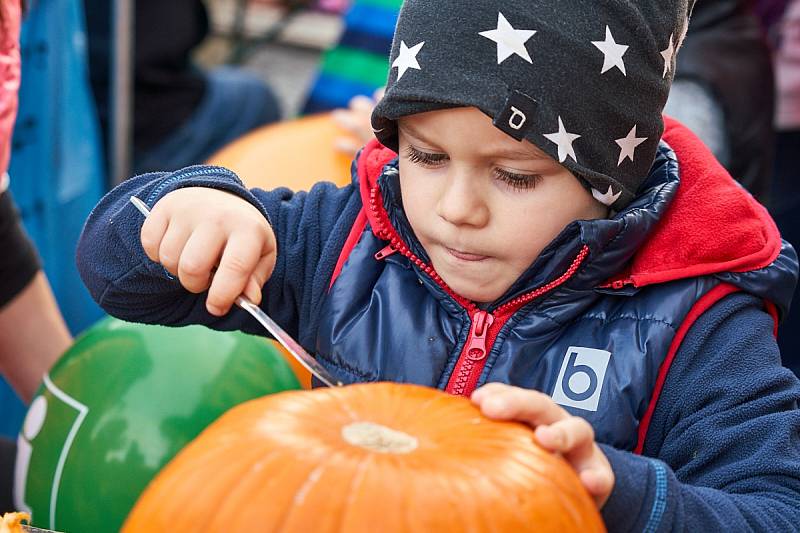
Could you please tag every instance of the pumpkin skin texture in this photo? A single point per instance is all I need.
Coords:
(371, 457)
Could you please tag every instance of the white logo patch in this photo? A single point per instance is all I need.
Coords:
(580, 380)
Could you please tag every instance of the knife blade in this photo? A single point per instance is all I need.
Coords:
(32, 529)
(286, 340)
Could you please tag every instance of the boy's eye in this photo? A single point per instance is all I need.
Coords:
(518, 181)
(425, 159)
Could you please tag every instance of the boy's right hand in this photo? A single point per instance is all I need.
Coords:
(211, 240)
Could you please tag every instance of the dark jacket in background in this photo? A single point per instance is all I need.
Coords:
(167, 87)
(726, 50)
(8, 452)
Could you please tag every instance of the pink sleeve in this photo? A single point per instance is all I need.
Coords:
(9, 76)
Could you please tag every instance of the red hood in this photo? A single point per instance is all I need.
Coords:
(713, 225)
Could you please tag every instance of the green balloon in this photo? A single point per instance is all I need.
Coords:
(119, 404)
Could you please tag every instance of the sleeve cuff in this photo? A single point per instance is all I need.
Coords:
(640, 496)
(213, 177)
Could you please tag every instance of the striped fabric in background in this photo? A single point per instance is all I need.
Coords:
(359, 62)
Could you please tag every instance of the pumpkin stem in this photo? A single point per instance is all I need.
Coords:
(378, 438)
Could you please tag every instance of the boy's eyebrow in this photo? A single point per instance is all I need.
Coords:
(525, 151)
(410, 130)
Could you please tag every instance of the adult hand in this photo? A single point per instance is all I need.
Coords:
(356, 120)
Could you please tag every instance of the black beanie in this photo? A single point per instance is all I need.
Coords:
(584, 80)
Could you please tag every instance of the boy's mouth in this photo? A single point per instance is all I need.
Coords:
(465, 256)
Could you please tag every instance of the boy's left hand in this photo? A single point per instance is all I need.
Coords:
(555, 429)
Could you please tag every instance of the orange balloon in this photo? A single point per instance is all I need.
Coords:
(295, 153)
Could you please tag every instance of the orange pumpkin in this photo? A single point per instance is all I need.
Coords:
(372, 457)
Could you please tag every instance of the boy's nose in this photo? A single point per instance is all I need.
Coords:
(461, 203)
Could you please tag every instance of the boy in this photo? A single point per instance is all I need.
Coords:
(535, 231)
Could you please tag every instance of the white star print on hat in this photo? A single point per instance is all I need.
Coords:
(628, 145)
(612, 53)
(583, 81)
(668, 55)
(407, 58)
(564, 141)
(607, 198)
(509, 41)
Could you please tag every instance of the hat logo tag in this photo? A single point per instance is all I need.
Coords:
(517, 115)
(517, 118)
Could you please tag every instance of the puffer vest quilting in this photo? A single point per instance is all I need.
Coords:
(599, 358)
(600, 350)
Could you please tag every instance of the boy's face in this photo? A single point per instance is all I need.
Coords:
(482, 204)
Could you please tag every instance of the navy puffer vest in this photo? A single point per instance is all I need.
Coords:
(596, 319)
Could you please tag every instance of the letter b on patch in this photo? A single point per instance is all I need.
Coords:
(580, 380)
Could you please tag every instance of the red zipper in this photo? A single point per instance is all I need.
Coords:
(474, 353)
(385, 252)
(621, 283)
(468, 369)
(385, 231)
(484, 326)
(618, 284)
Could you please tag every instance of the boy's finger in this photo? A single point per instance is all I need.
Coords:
(488, 390)
(199, 256)
(253, 290)
(599, 482)
(513, 403)
(264, 268)
(169, 252)
(238, 262)
(258, 279)
(571, 436)
(153, 229)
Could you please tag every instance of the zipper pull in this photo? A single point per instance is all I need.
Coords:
(476, 347)
(385, 252)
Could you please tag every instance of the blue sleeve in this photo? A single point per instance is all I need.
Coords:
(723, 449)
(310, 229)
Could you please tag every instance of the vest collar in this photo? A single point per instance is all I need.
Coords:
(689, 219)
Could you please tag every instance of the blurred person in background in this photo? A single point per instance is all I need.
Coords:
(723, 90)
(32, 330)
(785, 205)
(182, 113)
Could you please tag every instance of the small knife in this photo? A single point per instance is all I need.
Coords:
(291, 345)
(31, 529)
